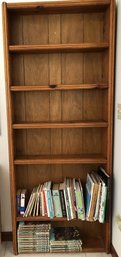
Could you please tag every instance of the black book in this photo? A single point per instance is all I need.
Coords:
(62, 200)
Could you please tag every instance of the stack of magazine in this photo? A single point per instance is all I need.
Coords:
(33, 237)
(65, 239)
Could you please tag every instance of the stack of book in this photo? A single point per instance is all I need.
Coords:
(65, 239)
(97, 194)
(57, 200)
(33, 237)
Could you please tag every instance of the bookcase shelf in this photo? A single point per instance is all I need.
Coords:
(58, 48)
(39, 218)
(75, 124)
(59, 62)
(68, 159)
(59, 87)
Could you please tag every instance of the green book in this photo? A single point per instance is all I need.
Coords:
(56, 201)
(79, 200)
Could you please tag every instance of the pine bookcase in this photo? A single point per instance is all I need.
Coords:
(59, 62)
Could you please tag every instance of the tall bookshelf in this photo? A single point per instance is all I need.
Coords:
(59, 61)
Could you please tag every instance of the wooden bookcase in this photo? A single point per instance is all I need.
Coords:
(59, 61)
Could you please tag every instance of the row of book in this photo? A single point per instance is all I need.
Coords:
(42, 238)
(33, 237)
(69, 199)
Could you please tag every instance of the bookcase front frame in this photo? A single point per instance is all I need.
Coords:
(96, 73)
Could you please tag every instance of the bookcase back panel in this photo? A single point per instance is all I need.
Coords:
(67, 105)
(59, 141)
(66, 68)
(35, 174)
(58, 28)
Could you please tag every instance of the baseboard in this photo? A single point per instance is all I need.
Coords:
(6, 236)
(113, 252)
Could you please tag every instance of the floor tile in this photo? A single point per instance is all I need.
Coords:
(2, 249)
(98, 255)
(65, 255)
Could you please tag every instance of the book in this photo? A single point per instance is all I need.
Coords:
(23, 201)
(62, 199)
(104, 202)
(97, 208)
(68, 186)
(18, 200)
(30, 203)
(48, 199)
(94, 197)
(66, 196)
(88, 194)
(56, 200)
(79, 200)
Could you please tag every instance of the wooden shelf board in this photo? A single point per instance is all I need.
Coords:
(60, 159)
(59, 7)
(39, 218)
(69, 124)
(59, 87)
(58, 47)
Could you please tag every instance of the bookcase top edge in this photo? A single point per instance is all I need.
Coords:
(60, 3)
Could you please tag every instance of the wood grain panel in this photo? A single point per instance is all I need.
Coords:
(22, 177)
(54, 29)
(93, 104)
(72, 68)
(72, 105)
(35, 29)
(93, 67)
(15, 26)
(92, 141)
(72, 71)
(72, 141)
(72, 28)
(55, 97)
(37, 68)
(36, 72)
(93, 27)
(37, 106)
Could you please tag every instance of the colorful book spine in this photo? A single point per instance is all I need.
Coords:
(79, 203)
(18, 200)
(50, 204)
(62, 201)
(23, 201)
(57, 203)
(102, 210)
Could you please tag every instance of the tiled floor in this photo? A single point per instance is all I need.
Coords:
(6, 251)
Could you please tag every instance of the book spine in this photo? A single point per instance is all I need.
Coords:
(96, 215)
(22, 204)
(46, 203)
(50, 204)
(80, 207)
(67, 204)
(57, 203)
(70, 203)
(62, 201)
(103, 204)
(18, 200)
